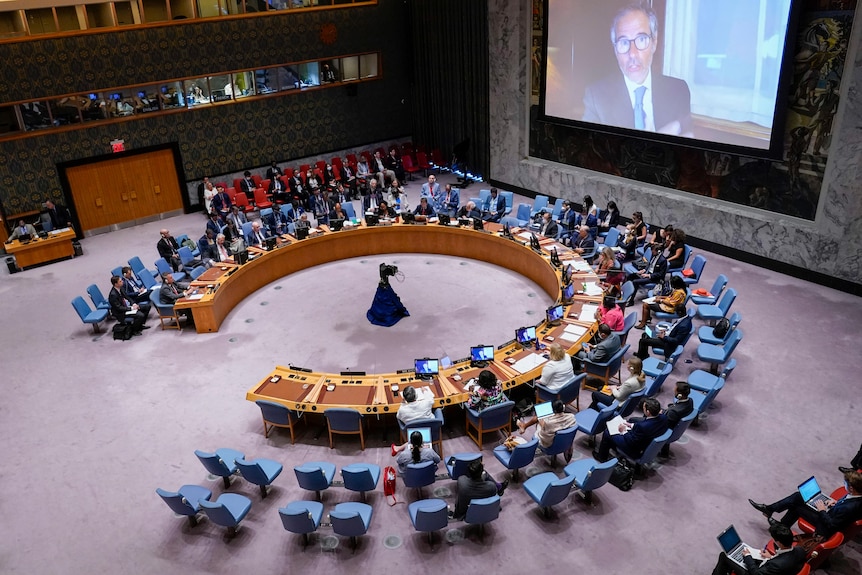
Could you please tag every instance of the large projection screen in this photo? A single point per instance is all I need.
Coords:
(703, 73)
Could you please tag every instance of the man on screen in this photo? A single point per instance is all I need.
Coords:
(639, 99)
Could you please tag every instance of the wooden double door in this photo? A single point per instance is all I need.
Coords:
(125, 189)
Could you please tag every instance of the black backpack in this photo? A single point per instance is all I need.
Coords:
(123, 331)
(622, 477)
(721, 328)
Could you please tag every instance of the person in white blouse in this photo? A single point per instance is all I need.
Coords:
(634, 383)
(558, 370)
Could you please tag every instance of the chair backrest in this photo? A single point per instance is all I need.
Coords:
(459, 464)
(497, 415)
(252, 471)
(563, 440)
(146, 278)
(96, 295)
(631, 403)
(599, 475)
(510, 221)
(213, 463)
(265, 212)
(651, 452)
(682, 425)
(523, 212)
(697, 265)
(163, 267)
(523, 454)
(711, 395)
(558, 207)
(358, 477)
(176, 502)
(483, 195)
(197, 272)
(311, 476)
(653, 386)
(732, 342)
(431, 515)
(540, 203)
(343, 419)
(47, 224)
(246, 230)
(626, 291)
(219, 513)
(165, 309)
(347, 523)
(117, 271)
(613, 238)
(718, 285)
(557, 490)
(483, 510)
(510, 198)
(136, 264)
(348, 209)
(727, 301)
(298, 519)
(604, 415)
(419, 474)
(824, 550)
(628, 324)
(728, 369)
(274, 412)
(81, 307)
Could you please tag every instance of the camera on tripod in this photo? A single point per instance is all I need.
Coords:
(387, 271)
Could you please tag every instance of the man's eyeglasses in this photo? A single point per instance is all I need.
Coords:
(641, 42)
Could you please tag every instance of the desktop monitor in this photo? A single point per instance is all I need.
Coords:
(270, 242)
(24, 238)
(482, 353)
(301, 233)
(93, 97)
(534, 243)
(554, 314)
(371, 220)
(443, 219)
(526, 335)
(142, 94)
(463, 221)
(408, 217)
(426, 368)
(568, 292)
(478, 224)
(336, 225)
(568, 271)
(241, 257)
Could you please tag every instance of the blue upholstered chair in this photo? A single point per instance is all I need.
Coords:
(97, 298)
(482, 511)
(361, 477)
(186, 500)
(87, 315)
(563, 440)
(489, 419)
(704, 381)
(627, 292)
(509, 197)
(631, 403)
(186, 257)
(165, 268)
(697, 266)
(197, 272)
(521, 456)
(653, 384)
(434, 424)
(609, 369)
(716, 290)
(428, 516)
(649, 454)
(611, 237)
(591, 422)
(228, 510)
(261, 472)
(680, 429)
(539, 204)
(351, 520)
(222, 463)
(302, 518)
(137, 265)
(348, 209)
(147, 278)
(523, 215)
(568, 393)
(629, 323)
(705, 332)
(702, 402)
(344, 421)
(653, 366)
(712, 313)
(589, 474)
(117, 271)
(165, 312)
(457, 464)
(419, 475)
(716, 355)
(276, 415)
(547, 490)
(315, 476)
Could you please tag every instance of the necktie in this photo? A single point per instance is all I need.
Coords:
(639, 108)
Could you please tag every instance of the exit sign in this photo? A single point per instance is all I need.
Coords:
(118, 146)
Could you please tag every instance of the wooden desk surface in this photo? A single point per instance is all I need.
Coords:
(374, 394)
(57, 245)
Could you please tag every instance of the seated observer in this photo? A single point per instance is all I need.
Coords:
(418, 453)
(475, 484)
(548, 427)
(424, 210)
(608, 345)
(634, 383)
(486, 392)
(636, 435)
(558, 370)
(787, 560)
(417, 404)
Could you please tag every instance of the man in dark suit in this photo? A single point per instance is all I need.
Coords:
(277, 190)
(221, 251)
(58, 213)
(348, 178)
(273, 171)
(548, 227)
(449, 200)
(169, 249)
(787, 560)
(424, 210)
(653, 273)
(135, 291)
(469, 210)
(583, 243)
(666, 341)
(827, 518)
(394, 165)
(171, 291)
(475, 484)
(373, 198)
(247, 185)
(494, 207)
(276, 222)
(221, 202)
(124, 310)
(638, 99)
(634, 438)
(681, 407)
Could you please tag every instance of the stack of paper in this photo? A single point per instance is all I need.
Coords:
(592, 288)
(588, 312)
(528, 363)
(573, 332)
(582, 266)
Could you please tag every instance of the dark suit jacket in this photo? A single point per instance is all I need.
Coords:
(605, 349)
(167, 247)
(59, 216)
(638, 438)
(366, 201)
(247, 186)
(119, 304)
(788, 563)
(273, 173)
(678, 410)
(427, 211)
(464, 213)
(660, 268)
(607, 102)
(839, 516)
(500, 204)
(205, 248)
(221, 202)
(677, 334)
(167, 295)
(215, 226)
(551, 230)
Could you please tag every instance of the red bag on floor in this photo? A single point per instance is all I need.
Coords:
(389, 483)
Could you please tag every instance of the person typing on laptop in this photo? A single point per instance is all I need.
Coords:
(550, 424)
(787, 560)
(827, 517)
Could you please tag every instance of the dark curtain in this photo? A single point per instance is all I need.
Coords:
(450, 72)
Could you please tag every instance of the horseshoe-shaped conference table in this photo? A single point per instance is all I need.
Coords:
(304, 390)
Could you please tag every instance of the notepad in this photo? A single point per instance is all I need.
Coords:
(528, 363)
(581, 266)
(588, 312)
(614, 425)
(195, 296)
(592, 288)
(573, 332)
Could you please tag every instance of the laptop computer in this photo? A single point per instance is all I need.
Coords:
(811, 493)
(732, 546)
(426, 434)
(544, 410)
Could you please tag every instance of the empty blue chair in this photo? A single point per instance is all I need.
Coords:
(483, 195)
(348, 209)
(165, 268)
(510, 221)
(186, 257)
(276, 415)
(558, 207)
(712, 313)
(628, 323)
(591, 422)
(627, 292)
(477, 201)
(428, 516)
(228, 510)
(612, 238)
(457, 464)
(482, 511)
(137, 265)
(563, 440)
(246, 230)
(539, 204)
(419, 475)
(521, 456)
(653, 384)
(434, 424)
(697, 266)
(704, 381)
(489, 419)
(510, 198)
(265, 212)
(589, 474)
(197, 272)
(715, 291)
(652, 366)
(649, 454)
(680, 429)
(609, 369)
(315, 476)
(147, 278)
(716, 355)
(568, 393)
(117, 271)
(703, 401)
(361, 477)
(222, 463)
(344, 421)
(705, 332)
(87, 315)
(261, 472)
(351, 520)
(302, 518)
(186, 500)
(523, 215)
(97, 298)
(547, 489)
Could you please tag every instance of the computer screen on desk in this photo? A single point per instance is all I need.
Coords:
(482, 353)
(427, 367)
(526, 335)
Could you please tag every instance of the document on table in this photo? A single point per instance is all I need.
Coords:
(573, 332)
(614, 425)
(588, 312)
(525, 235)
(528, 363)
(592, 288)
(581, 266)
(195, 296)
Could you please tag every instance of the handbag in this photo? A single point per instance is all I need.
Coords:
(622, 477)
(389, 483)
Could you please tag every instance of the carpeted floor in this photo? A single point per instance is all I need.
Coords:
(90, 427)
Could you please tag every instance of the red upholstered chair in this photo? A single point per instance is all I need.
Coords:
(824, 550)
(256, 179)
(806, 570)
(288, 173)
(422, 162)
(351, 159)
(409, 168)
(806, 527)
(237, 184)
(231, 192)
(241, 200)
(260, 199)
(304, 168)
(321, 165)
(437, 157)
